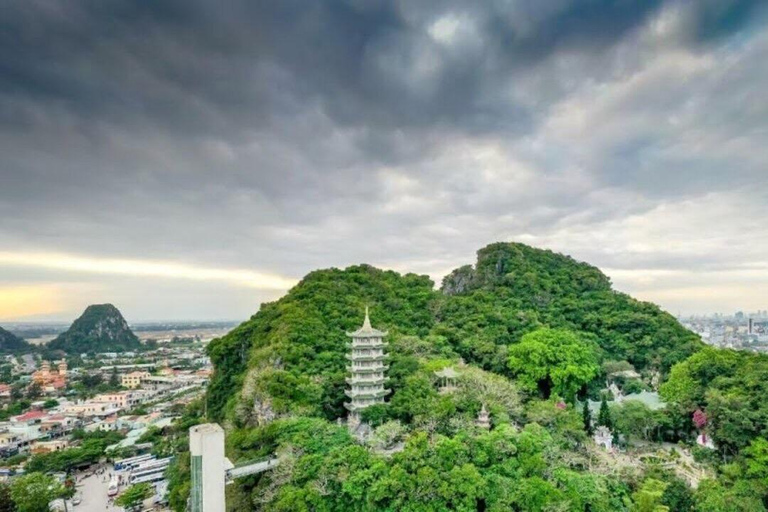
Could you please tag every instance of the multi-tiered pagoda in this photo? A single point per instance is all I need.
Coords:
(367, 368)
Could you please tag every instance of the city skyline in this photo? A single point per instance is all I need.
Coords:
(190, 161)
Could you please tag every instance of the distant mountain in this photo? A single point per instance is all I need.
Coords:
(101, 328)
(9, 342)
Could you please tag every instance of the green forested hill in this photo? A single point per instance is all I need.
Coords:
(513, 288)
(101, 328)
(530, 332)
(299, 344)
(10, 343)
(480, 311)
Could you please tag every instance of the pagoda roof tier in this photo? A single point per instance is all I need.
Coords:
(379, 393)
(358, 380)
(368, 357)
(371, 369)
(448, 373)
(367, 331)
(367, 342)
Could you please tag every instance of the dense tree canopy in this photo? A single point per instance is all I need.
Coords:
(33, 492)
(554, 361)
(289, 355)
(731, 387)
(522, 328)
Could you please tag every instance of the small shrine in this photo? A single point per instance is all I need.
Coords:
(447, 379)
(618, 395)
(483, 419)
(604, 437)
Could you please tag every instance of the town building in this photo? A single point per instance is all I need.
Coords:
(51, 380)
(133, 380)
(367, 367)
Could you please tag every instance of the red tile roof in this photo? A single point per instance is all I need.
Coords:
(29, 416)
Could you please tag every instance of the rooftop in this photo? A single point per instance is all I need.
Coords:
(367, 331)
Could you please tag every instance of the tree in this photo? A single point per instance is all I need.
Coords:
(34, 491)
(700, 421)
(114, 380)
(756, 459)
(604, 416)
(6, 501)
(678, 496)
(386, 435)
(50, 403)
(134, 496)
(34, 390)
(634, 418)
(648, 497)
(586, 415)
(713, 496)
(556, 361)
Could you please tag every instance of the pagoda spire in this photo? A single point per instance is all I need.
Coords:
(367, 321)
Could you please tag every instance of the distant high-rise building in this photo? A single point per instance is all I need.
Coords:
(367, 367)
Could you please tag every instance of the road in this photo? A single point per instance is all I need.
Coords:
(93, 491)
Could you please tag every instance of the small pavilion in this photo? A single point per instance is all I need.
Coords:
(446, 379)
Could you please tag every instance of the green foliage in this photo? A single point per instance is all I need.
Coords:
(323, 469)
(635, 419)
(101, 328)
(6, 501)
(515, 288)
(134, 496)
(50, 403)
(34, 491)
(91, 448)
(714, 496)
(649, 497)
(554, 361)
(303, 335)
(604, 417)
(678, 497)
(586, 417)
(289, 357)
(731, 387)
(756, 459)
(542, 318)
(15, 408)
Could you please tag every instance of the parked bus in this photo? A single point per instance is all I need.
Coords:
(132, 461)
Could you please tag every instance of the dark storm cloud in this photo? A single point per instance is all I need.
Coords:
(196, 67)
(270, 134)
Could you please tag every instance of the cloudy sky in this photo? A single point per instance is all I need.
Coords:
(189, 159)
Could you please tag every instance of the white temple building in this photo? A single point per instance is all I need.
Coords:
(367, 367)
(603, 437)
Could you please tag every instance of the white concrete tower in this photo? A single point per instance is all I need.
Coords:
(367, 367)
(208, 467)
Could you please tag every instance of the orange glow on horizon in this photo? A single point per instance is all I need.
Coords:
(18, 302)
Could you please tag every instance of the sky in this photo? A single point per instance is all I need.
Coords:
(187, 159)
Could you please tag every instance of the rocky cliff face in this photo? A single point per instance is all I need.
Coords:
(9, 342)
(101, 328)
